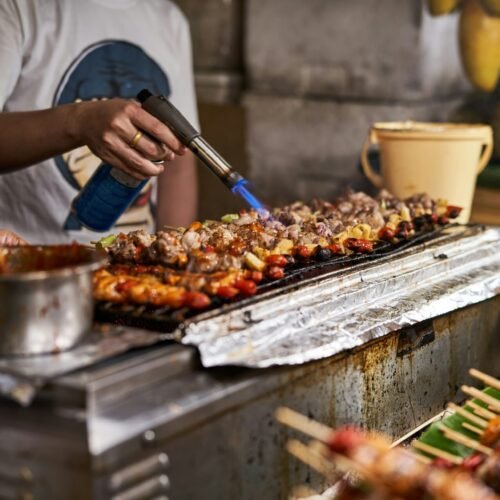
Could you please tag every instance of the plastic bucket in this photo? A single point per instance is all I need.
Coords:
(440, 159)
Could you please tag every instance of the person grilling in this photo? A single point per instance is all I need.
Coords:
(67, 100)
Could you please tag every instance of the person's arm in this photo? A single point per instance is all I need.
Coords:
(107, 127)
(177, 194)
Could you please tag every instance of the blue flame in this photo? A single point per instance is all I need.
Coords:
(240, 188)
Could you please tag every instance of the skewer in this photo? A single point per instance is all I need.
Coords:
(304, 424)
(463, 440)
(468, 415)
(476, 393)
(472, 428)
(304, 454)
(420, 458)
(487, 379)
(493, 408)
(436, 452)
(479, 410)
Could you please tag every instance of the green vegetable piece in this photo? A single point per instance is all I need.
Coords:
(228, 218)
(105, 242)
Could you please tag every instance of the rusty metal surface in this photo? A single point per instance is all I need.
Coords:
(217, 426)
(345, 309)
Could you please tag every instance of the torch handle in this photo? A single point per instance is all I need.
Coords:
(166, 112)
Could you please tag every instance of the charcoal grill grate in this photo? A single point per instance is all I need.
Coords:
(169, 320)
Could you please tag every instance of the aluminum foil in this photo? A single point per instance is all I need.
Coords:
(22, 377)
(346, 309)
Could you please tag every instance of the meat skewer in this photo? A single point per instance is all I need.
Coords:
(436, 452)
(489, 400)
(465, 441)
(487, 379)
(390, 470)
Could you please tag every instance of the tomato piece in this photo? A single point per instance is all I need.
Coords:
(302, 252)
(386, 234)
(335, 248)
(275, 272)
(209, 249)
(138, 250)
(246, 287)
(227, 292)
(472, 462)
(442, 463)
(344, 440)
(453, 211)
(196, 300)
(443, 220)
(359, 245)
(277, 260)
(256, 276)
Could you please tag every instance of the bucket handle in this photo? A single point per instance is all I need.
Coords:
(487, 152)
(375, 179)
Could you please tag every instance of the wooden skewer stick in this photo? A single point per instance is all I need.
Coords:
(479, 422)
(463, 440)
(303, 453)
(436, 452)
(420, 458)
(487, 379)
(479, 410)
(476, 393)
(493, 408)
(303, 424)
(472, 428)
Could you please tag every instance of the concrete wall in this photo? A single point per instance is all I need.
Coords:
(316, 74)
(370, 49)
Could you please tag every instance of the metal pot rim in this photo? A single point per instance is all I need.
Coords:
(96, 259)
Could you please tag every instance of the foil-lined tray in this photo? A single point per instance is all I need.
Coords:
(347, 308)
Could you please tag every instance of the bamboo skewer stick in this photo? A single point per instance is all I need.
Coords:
(493, 408)
(472, 428)
(303, 424)
(479, 410)
(436, 452)
(476, 393)
(487, 379)
(303, 453)
(420, 458)
(463, 440)
(479, 422)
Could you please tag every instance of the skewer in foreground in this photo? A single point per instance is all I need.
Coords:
(388, 472)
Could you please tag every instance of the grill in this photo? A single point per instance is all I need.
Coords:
(175, 320)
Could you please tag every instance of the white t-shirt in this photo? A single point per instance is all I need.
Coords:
(60, 51)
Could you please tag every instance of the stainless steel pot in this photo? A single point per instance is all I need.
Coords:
(46, 303)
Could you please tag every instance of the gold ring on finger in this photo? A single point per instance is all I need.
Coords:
(135, 140)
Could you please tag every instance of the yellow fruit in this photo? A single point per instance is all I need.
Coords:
(440, 7)
(479, 36)
(492, 7)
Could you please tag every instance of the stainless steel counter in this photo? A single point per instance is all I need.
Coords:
(153, 424)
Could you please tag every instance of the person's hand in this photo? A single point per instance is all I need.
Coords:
(110, 129)
(8, 238)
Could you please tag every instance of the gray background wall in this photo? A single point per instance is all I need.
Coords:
(289, 88)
